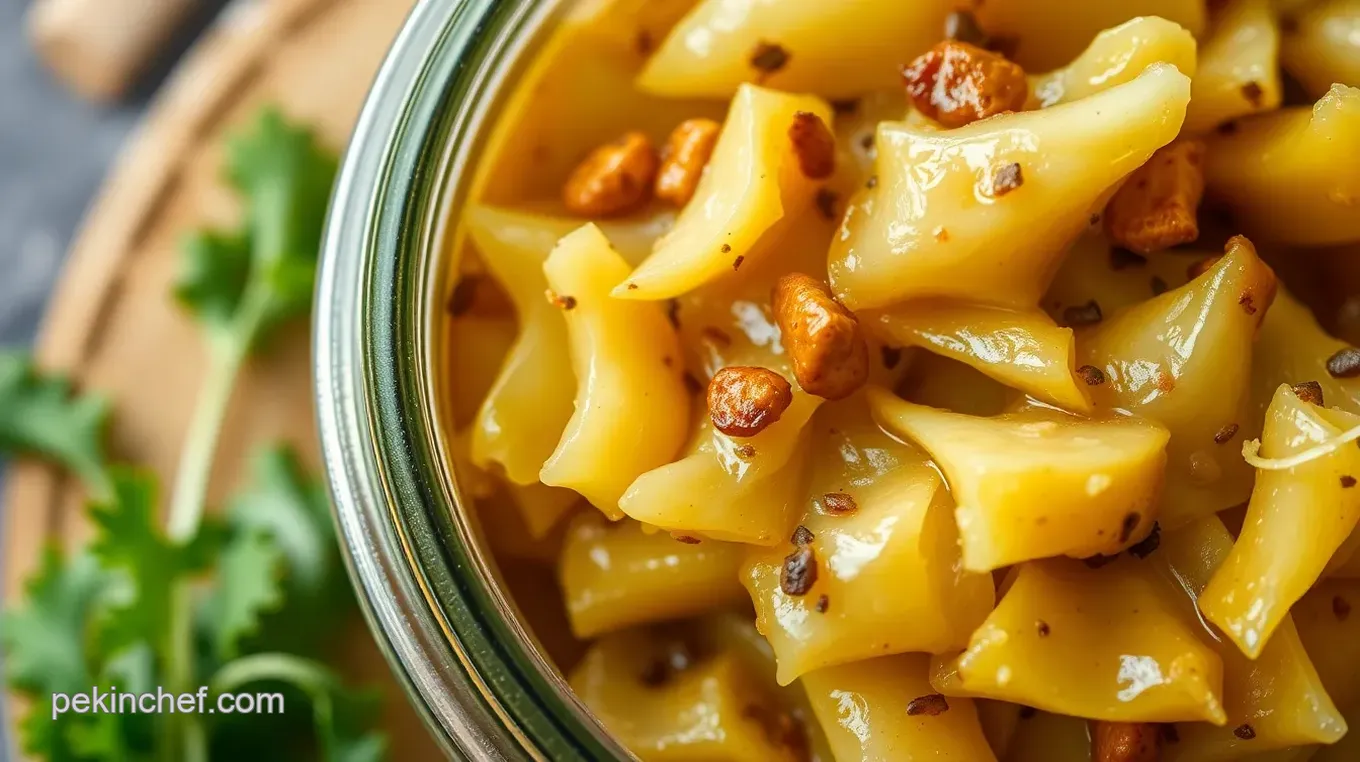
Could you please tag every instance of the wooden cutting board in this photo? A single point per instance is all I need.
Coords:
(111, 323)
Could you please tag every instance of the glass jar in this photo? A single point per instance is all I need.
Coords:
(427, 586)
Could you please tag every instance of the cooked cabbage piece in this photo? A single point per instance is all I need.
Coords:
(1044, 737)
(1321, 47)
(616, 575)
(1239, 71)
(952, 212)
(1116, 55)
(1297, 519)
(1038, 483)
(877, 519)
(1045, 34)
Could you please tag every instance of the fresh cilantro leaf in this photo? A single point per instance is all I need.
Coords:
(147, 565)
(241, 284)
(285, 503)
(248, 585)
(40, 416)
(44, 642)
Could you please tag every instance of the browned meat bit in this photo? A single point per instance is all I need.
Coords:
(956, 83)
(1042, 628)
(829, 353)
(1341, 608)
(768, 58)
(560, 301)
(742, 401)
(1005, 178)
(962, 26)
(1347, 481)
(615, 179)
(1083, 314)
(1146, 546)
(802, 536)
(1126, 528)
(1226, 434)
(1126, 742)
(838, 504)
(1245, 732)
(1345, 363)
(822, 603)
(799, 572)
(686, 154)
(814, 145)
(1092, 375)
(1309, 391)
(1155, 209)
(930, 705)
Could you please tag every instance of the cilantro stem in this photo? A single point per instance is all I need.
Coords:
(312, 677)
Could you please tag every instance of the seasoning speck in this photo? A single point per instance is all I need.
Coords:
(1083, 314)
(1169, 733)
(822, 603)
(736, 263)
(1042, 628)
(1226, 434)
(1146, 546)
(1254, 94)
(838, 504)
(725, 248)
(687, 539)
(802, 536)
(872, 182)
(799, 572)
(769, 57)
(1245, 732)
(1092, 375)
(632, 286)
(1309, 391)
(1006, 178)
(1345, 363)
(930, 705)
(1347, 481)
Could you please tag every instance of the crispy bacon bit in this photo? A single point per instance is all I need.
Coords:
(686, 539)
(827, 201)
(1156, 209)
(822, 603)
(614, 179)
(561, 302)
(799, 572)
(838, 504)
(769, 58)
(743, 401)
(802, 536)
(1245, 732)
(891, 356)
(1345, 363)
(1166, 382)
(1347, 481)
(1226, 434)
(830, 356)
(941, 234)
(929, 705)
(1122, 259)
(1126, 742)
(1092, 375)
(1083, 314)
(1254, 93)
(1309, 391)
(814, 145)
(1148, 545)
(1126, 529)
(1042, 628)
(957, 83)
(1341, 608)
(1006, 178)
(687, 152)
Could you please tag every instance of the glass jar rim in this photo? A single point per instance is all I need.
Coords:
(453, 639)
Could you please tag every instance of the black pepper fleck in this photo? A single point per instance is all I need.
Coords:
(1042, 628)
(822, 603)
(1245, 732)
(736, 263)
(1347, 481)
(1226, 434)
(1345, 363)
(769, 58)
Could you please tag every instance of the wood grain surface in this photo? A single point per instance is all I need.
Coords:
(111, 323)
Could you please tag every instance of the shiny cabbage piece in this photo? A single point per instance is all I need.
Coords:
(1038, 483)
(1328, 622)
(1000, 724)
(1044, 737)
(616, 575)
(1045, 34)
(1293, 176)
(527, 407)
(1096, 271)
(886, 552)
(1239, 71)
(1321, 46)
(833, 49)
(753, 181)
(1116, 55)
(952, 212)
(938, 381)
(477, 347)
(632, 409)
(1183, 359)
(1292, 349)
(1025, 350)
(1108, 644)
(1297, 519)
(1278, 695)
(861, 709)
(666, 703)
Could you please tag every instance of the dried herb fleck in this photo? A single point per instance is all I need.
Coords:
(1226, 434)
(1092, 375)
(838, 504)
(769, 58)
(799, 572)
